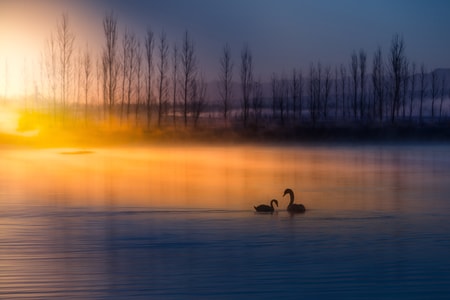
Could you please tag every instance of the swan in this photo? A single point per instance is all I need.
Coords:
(293, 208)
(266, 208)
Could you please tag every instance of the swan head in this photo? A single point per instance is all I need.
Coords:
(274, 201)
(288, 191)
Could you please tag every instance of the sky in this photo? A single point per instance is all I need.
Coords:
(282, 34)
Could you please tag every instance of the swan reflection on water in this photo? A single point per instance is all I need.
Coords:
(267, 208)
(293, 208)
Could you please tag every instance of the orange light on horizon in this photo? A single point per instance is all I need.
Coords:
(10, 123)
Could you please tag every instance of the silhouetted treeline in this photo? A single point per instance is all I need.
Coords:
(146, 82)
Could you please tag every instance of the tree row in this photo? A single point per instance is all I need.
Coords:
(148, 82)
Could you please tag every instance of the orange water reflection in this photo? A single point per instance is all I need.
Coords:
(229, 177)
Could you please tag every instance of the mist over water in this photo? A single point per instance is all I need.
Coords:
(170, 222)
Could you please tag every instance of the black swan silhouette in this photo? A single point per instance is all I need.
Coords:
(266, 208)
(293, 208)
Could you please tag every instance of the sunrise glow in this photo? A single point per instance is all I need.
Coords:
(144, 143)
(12, 123)
(25, 31)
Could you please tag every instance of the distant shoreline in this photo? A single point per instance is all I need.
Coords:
(323, 133)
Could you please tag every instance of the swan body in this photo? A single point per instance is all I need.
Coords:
(293, 208)
(266, 208)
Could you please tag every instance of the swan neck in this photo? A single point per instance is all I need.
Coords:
(291, 195)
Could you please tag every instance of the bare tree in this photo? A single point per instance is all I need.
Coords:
(110, 65)
(104, 85)
(78, 70)
(100, 86)
(396, 63)
(314, 92)
(448, 92)
(295, 91)
(162, 71)
(125, 68)
(87, 80)
(362, 81)
(174, 81)
(327, 89)
(336, 92)
(412, 90)
(300, 94)
(378, 83)
(257, 101)
(149, 47)
(318, 88)
(434, 91)
(442, 96)
(405, 84)
(423, 88)
(282, 99)
(246, 81)
(225, 80)
(280, 93)
(188, 70)
(354, 75)
(275, 94)
(51, 70)
(138, 79)
(132, 45)
(198, 101)
(65, 40)
(343, 74)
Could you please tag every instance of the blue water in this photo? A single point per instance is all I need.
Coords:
(53, 250)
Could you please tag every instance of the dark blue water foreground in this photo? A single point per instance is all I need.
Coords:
(162, 223)
(138, 254)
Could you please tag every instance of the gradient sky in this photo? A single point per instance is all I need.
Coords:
(282, 34)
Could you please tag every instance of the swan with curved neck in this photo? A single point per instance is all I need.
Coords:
(266, 208)
(293, 208)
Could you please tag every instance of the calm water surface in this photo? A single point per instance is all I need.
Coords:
(178, 223)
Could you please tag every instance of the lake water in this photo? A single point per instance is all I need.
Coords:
(169, 222)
